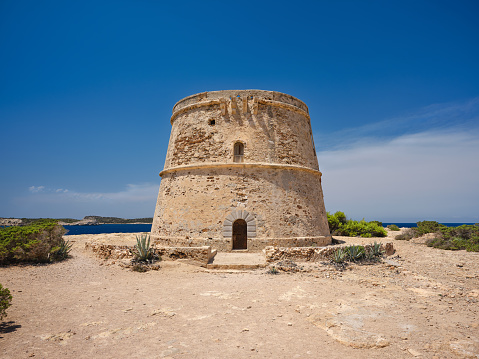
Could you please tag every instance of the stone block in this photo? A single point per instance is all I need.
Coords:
(249, 218)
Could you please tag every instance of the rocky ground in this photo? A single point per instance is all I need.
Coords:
(420, 302)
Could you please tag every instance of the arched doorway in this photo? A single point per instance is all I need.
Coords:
(238, 152)
(240, 238)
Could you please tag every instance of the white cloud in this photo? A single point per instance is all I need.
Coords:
(35, 189)
(132, 193)
(427, 175)
(135, 200)
(452, 116)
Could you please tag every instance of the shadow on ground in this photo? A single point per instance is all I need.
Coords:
(8, 327)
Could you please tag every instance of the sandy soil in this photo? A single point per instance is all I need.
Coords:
(422, 302)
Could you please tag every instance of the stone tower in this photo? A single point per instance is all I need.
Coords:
(241, 173)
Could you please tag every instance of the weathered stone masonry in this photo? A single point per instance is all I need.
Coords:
(240, 173)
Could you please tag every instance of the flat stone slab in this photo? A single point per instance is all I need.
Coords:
(238, 260)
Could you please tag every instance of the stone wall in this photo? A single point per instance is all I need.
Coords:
(299, 254)
(277, 182)
(202, 254)
(274, 135)
(286, 204)
(254, 244)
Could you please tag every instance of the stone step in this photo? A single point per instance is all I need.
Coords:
(235, 266)
(237, 261)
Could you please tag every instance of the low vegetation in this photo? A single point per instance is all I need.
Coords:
(144, 256)
(452, 238)
(339, 225)
(357, 253)
(98, 219)
(41, 241)
(393, 227)
(116, 220)
(5, 301)
(143, 251)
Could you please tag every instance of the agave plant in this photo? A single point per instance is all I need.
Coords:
(376, 249)
(339, 255)
(143, 250)
(273, 270)
(61, 251)
(355, 252)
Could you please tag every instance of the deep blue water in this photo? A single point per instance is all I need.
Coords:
(133, 228)
(410, 225)
(108, 228)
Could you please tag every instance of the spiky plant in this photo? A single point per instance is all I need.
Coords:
(61, 251)
(273, 270)
(339, 255)
(355, 253)
(376, 249)
(143, 250)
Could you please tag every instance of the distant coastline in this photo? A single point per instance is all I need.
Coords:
(86, 221)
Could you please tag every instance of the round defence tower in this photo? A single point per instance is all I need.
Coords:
(241, 173)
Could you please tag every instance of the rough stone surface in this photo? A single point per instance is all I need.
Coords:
(275, 187)
(10, 221)
(305, 254)
(202, 255)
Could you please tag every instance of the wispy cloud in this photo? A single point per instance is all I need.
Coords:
(36, 189)
(426, 175)
(135, 200)
(132, 193)
(460, 115)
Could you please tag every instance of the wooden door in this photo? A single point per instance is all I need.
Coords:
(240, 238)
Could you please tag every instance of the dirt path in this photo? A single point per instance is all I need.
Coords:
(424, 303)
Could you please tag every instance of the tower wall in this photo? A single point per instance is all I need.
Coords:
(275, 185)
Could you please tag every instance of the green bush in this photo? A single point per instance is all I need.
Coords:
(450, 238)
(5, 301)
(37, 242)
(335, 221)
(408, 234)
(456, 238)
(424, 227)
(340, 226)
(393, 227)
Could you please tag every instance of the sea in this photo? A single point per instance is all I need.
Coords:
(134, 228)
(411, 225)
(108, 228)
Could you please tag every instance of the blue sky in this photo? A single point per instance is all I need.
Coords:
(87, 88)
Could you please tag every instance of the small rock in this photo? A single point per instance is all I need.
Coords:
(389, 249)
(414, 352)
